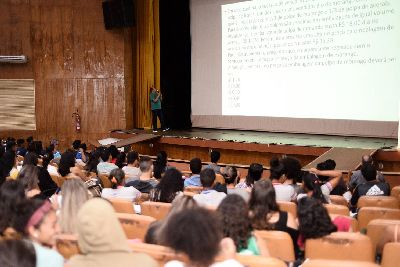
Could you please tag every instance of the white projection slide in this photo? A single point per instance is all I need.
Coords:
(329, 59)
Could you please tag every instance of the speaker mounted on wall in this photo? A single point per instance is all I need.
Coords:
(118, 14)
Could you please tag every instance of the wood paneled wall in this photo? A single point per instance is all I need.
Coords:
(76, 65)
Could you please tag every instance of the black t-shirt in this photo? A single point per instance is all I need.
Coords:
(373, 188)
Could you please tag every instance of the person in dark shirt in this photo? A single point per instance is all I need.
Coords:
(21, 150)
(372, 187)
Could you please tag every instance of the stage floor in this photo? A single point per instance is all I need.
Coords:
(279, 138)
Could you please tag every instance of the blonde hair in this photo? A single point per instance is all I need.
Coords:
(74, 195)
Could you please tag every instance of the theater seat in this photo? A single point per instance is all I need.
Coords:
(280, 244)
(122, 206)
(161, 254)
(378, 201)
(219, 178)
(194, 189)
(105, 181)
(395, 192)
(157, 210)
(337, 209)
(367, 214)
(335, 263)
(391, 255)
(338, 200)
(67, 245)
(341, 246)
(289, 207)
(134, 225)
(376, 228)
(259, 261)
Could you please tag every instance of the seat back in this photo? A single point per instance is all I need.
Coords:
(157, 210)
(338, 200)
(279, 244)
(289, 207)
(134, 225)
(194, 189)
(376, 229)
(337, 209)
(395, 192)
(335, 263)
(122, 206)
(160, 254)
(378, 201)
(259, 261)
(367, 214)
(104, 179)
(391, 255)
(219, 178)
(340, 246)
(67, 245)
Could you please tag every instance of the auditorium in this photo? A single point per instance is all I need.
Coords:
(199, 133)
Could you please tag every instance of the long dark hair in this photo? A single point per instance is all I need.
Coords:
(262, 204)
(11, 194)
(276, 168)
(254, 173)
(314, 220)
(66, 162)
(170, 184)
(234, 214)
(312, 184)
(160, 164)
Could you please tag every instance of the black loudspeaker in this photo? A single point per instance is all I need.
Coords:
(118, 14)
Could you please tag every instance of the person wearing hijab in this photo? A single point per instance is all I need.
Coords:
(102, 241)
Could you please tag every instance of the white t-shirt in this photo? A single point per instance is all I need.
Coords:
(209, 198)
(284, 192)
(105, 167)
(131, 173)
(125, 193)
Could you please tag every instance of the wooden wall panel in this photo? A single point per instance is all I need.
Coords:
(76, 65)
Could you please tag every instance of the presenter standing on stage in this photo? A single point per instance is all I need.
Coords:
(155, 101)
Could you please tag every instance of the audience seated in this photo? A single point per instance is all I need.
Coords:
(118, 190)
(372, 187)
(160, 164)
(236, 225)
(169, 187)
(102, 241)
(46, 185)
(14, 253)
(254, 174)
(195, 168)
(20, 149)
(330, 180)
(358, 177)
(132, 171)
(292, 172)
(106, 165)
(231, 178)
(209, 196)
(284, 191)
(312, 188)
(37, 221)
(215, 156)
(203, 226)
(265, 213)
(146, 181)
(28, 177)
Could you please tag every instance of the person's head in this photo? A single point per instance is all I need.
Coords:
(99, 230)
(30, 159)
(117, 177)
(16, 252)
(67, 161)
(230, 175)
(326, 165)
(29, 139)
(38, 147)
(8, 161)
(162, 158)
(262, 204)
(292, 168)
(195, 165)
(170, 185)
(29, 177)
(83, 146)
(369, 172)
(276, 168)
(12, 192)
(153, 90)
(207, 178)
(105, 155)
(254, 173)
(74, 195)
(214, 156)
(11, 146)
(31, 147)
(314, 220)
(76, 144)
(94, 159)
(312, 187)
(20, 142)
(121, 158)
(145, 164)
(195, 232)
(37, 220)
(47, 158)
(366, 159)
(113, 151)
(234, 214)
(132, 158)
